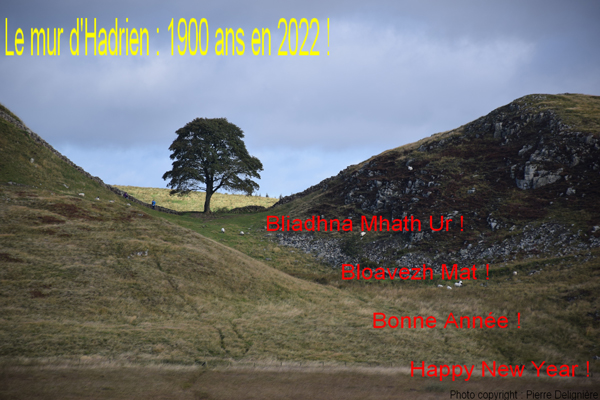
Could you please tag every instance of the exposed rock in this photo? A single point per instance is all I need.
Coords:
(551, 239)
(533, 179)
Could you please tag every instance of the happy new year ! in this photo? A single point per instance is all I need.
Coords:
(492, 369)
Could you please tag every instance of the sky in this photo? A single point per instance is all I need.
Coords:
(397, 71)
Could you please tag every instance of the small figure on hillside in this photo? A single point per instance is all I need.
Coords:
(153, 205)
(125, 195)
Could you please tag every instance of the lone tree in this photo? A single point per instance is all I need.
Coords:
(209, 155)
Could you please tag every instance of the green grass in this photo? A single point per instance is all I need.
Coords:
(195, 201)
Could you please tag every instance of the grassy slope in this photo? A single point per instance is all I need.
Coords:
(25, 162)
(75, 285)
(557, 305)
(195, 200)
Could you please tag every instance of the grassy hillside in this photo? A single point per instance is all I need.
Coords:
(97, 278)
(23, 161)
(195, 201)
(91, 278)
(85, 278)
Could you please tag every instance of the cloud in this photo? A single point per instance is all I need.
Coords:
(397, 72)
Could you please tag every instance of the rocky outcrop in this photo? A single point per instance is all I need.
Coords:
(533, 179)
(548, 240)
(556, 144)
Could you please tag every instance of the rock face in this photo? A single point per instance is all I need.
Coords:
(533, 179)
(548, 240)
(532, 164)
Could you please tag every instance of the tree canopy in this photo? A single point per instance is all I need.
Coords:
(209, 154)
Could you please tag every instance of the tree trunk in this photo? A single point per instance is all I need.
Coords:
(209, 194)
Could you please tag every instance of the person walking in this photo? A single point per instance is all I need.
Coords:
(153, 204)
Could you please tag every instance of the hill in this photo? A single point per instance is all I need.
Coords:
(524, 180)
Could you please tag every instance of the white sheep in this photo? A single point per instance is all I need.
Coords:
(459, 283)
(410, 168)
(449, 287)
(222, 230)
(242, 233)
(514, 272)
(363, 234)
(440, 285)
(82, 194)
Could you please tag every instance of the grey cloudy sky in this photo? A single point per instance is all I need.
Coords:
(397, 71)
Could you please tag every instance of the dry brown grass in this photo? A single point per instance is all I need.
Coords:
(76, 281)
(88, 288)
(577, 110)
(195, 201)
